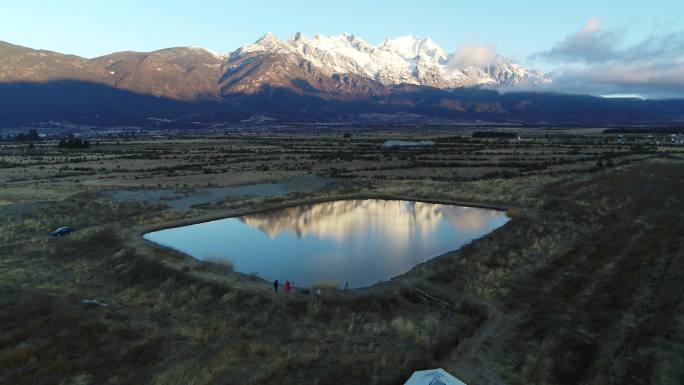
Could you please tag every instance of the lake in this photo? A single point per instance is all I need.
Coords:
(361, 242)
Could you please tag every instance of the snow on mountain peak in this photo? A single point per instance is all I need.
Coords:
(268, 37)
(267, 43)
(405, 59)
(411, 46)
(207, 50)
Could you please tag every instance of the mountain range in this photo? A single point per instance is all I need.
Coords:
(403, 60)
(315, 79)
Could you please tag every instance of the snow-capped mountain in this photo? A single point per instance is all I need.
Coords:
(343, 67)
(320, 79)
(407, 59)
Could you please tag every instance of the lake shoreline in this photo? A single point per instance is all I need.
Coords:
(137, 240)
(231, 213)
(295, 243)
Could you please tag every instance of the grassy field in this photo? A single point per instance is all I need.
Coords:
(582, 286)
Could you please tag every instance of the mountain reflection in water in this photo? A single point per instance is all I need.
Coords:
(338, 219)
(357, 241)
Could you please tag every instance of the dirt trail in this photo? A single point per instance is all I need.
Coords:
(471, 359)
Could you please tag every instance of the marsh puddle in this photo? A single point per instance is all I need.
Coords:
(356, 241)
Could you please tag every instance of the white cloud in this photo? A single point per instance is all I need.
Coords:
(589, 44)
(593, 25)
(594, 60)
(472, 55)
(648, 79)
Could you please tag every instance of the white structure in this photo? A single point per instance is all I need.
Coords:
(433, 377)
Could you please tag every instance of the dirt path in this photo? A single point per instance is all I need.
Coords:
(472, 359)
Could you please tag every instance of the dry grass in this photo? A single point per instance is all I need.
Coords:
(219, 263)
(404, 328)
(556, 273)
(31, 193)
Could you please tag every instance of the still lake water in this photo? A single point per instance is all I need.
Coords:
(357, 241)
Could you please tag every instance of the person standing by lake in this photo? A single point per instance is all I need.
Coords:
(287, 286)
(275, 285)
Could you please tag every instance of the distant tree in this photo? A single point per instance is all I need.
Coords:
(31, 146)
(494, 134)
(30, 136)
(33, 135)
(73, 143)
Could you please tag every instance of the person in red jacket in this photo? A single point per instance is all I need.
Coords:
(287, 286)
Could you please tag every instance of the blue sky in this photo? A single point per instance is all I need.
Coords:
(527, 31)
(517, 28)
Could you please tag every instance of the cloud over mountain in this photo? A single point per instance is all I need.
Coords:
(598, 61)
(473, 55)
(406, 59)
(590, 44)
(325, 78)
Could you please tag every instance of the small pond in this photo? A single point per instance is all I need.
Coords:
(361, 242)
(407, 143)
